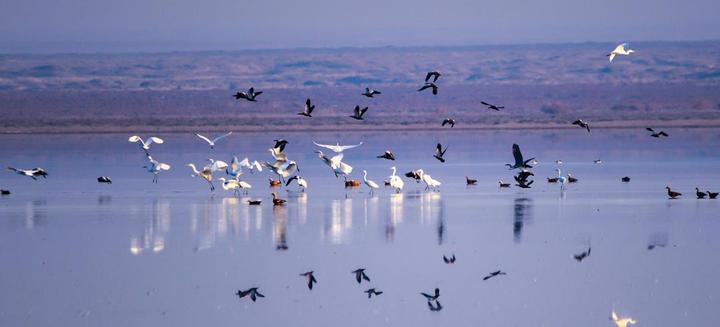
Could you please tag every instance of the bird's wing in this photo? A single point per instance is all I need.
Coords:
(135, 138)
(218, 165)
(423, 87)
(163, 166)
(204, 138)
(485, 103)
(334, 148)
(620, 48)
(427, 77)
(376, 92)
(363, 110)
(221, 137)
(357, 110)
(258, 93)
(663, 133)
(517, 154)
(342, 148)
(446, 121)
(287, 183)
(611, 56)
(649, 129)
(157, 140)
(614, 316)
(577, 122)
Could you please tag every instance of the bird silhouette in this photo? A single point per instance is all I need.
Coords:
(656, 134)
(449, 260)
(371, 291)
(387, 155)
(582, 124)
(431, 297)
(358, 113)
(360, 275)
(250, 95)
(370, 93)
(492, 106)
(449, 121)
(253, 292)
(439, 153)
(581, 256)
(436, 307)
(310, 279)
(494, 274)
(309, 107)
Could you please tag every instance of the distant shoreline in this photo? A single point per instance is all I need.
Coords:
(368, 127)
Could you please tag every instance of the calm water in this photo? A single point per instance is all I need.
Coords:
(77, 253)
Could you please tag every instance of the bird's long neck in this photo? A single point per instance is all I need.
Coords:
(194, 169)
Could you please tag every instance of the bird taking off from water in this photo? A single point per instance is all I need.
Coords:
(620, 50)
(519, 162)
(143, 144)
(621, 322)
(250, 95)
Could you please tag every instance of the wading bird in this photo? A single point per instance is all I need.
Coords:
(208, 170)
(309, 107)
(215, 140)
(582, 124)
(492, 106)
(145, 145)
(358, 113)
(619, 50)
(335, 163)
(561, 179)
(155, 167)
(395, 180)
(302, 183)
(32, 173)
(235, 185)
(449, 121)
(621, 322)
(370, 93)
(439, 153)
(370, 184)
(250, 95)
(430, 183)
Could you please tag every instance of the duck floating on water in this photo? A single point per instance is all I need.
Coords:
(672, 194)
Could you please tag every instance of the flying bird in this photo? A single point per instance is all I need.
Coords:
(145, 145)
(360, 275)
(431, 297)
(207, 171)
(358, 113)
(656, 134)
(493, 274)
(155, 167)
(280, 144)
(436, 307)
(253, 292)
(371, 291)
(104, 180)
(621, 322)
(429, 85)
(387, 155)
(432, 74)
(250, 95)
(492, 106)
(449, 260)
(215, 140)
(302, 183)
(519, 162)
(470, 181)
(309, 107)
(581, 256)
(335, 163)
(619, 50)
(310, 279)
(32, 173)
(625, 179)
(582, 124)
(338, 148)
(449, 121)
(370, 93)
(439, 153)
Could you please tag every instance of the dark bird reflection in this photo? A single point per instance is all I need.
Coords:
(658, 240)
(156, 227)
(521, 212)
(104, 200)
(280, 228)
(35, 213)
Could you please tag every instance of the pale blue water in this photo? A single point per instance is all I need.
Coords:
(77, 253)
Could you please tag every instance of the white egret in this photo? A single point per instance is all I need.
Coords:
(335, 163)
(282, 170)
(395, 181)
(234, 170)
(370, 184)
(338, 148)
(145, 145)
(620, 50)
(155, 167)
(561, 179)
(235, 185)
(302, 183)
(621, 322)
(213, 141)
(430, 183)
(206, 172)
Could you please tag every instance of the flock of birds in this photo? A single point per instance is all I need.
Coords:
(286, 171)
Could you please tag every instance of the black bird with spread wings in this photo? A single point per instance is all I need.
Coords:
(370, 93)
(492, 106)
(358, 113)
(519, 162)
(581, 256)
(360, 275)
(656, 134)
(370, 292)
(434, 75)
(449, 260)
(494, 274)
(253, 292)
(309, 107)
(582, 124)
(439, 152)
(449, 121)
(310, 279)
(250, 95)
(429, 85)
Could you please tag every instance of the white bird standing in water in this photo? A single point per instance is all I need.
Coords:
(620, 50)
(335, 163)
(213, 141)
(370, 184)
(143, 144)
(302, 183)
(235, 185)
(206, 172)
(395, 181)
(430, 183)
(621, 322)
(155, 167)
(561, 179)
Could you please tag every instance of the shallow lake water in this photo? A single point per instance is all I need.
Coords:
(133, 253)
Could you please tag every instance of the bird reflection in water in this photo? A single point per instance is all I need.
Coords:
(340, 220)
(202, 224)
(104, 200)
(35, 213)
(155, 229)
(395, 217)
(521, 213)
(280, 228)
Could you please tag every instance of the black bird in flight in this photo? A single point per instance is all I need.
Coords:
(414, 175)
(370, 93)
(581, 256)
(519, 162)
(360, 275)
(310, 279)
(250, 95)
(470, 181)
(371, 291)
(432, 297)
(492, 106)
(582, 124)
(434, 74)
(656, 134)
(449, 260)
(104, 180)
(309, 107)
(439, 152)
(387, 155)
(625, 179)
(253, 292)
(436, 307)
(449, 121)
(358, 113)
(493, 274)
(429, 85)
(280, 144)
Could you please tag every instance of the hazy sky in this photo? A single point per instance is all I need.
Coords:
(164, 25)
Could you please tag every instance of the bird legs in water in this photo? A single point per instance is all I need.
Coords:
(212, 187)
(155, 178)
